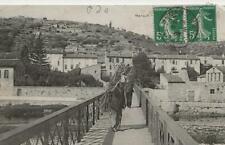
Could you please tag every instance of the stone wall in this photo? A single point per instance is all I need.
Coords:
(195, 107)
(94, 70)
(76, 92)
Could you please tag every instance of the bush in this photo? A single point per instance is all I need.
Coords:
(27, 111)
(144, 72)
(105, 78)
(192, 74)
(23, 111)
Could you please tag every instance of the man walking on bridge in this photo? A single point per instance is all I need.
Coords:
(117, 103)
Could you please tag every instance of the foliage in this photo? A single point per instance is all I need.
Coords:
(192, 74)
(27, 111)
(7, 37)
(105, 78)
(204, 68)
(37, 52)
(144, 72)
(23, 111)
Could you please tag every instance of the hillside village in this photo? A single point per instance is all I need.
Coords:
(98, 49)
(188, 77)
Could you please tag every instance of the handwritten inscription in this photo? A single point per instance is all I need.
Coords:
(143, 14)
(97, 9)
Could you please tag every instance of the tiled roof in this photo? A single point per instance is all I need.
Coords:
(173, 78)
(9, 62)
(101, 59)
(221, 68)
(174, 57)
(55, 51)
(11, 55)
(218, 57)
(202, 76)
(75, 55)
(125, 55)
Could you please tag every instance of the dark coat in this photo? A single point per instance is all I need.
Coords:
(117, 100)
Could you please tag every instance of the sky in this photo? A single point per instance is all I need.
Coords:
(122, 16)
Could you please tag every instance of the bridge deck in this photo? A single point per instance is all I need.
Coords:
(133, 130)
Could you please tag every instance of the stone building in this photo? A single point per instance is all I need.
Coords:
(215, 75)
(73, 60)
(55, 59)
(113, 60)
(173, 63)
(218, 60)
(64, 62)
(7, 76)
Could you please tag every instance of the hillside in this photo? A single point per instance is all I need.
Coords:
(69, 35)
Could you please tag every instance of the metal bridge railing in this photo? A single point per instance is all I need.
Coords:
(64, 127)
(164, 130)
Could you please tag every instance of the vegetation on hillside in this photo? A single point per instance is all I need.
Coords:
(35, 70)
(144, 73)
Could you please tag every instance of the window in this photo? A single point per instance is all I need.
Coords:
(222, 61)
(212, 91)
(110, 59)
(123, 60)
(6, 74)
(219, 77)
(208, 77)
(110, 67)
(191, 62)
(71, 67)
(211, 77)
(95, 71)
(205, 61)
(117, 60)
(173, 62)
(58, 62)
(214, 77)
(65, 66)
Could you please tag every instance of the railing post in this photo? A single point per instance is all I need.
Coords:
(46, 135)
(93, 119)
(87, 118)
(140, 98)
(98, 109)
(79, 126)
(65, 131)
(165, 133)
(157, 129)
(146, 112)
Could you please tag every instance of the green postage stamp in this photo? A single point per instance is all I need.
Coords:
(199, 22)
(168, 24)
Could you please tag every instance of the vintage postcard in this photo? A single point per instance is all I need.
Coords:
(112, 74)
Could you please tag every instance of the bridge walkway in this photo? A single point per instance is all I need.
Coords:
(133, 129)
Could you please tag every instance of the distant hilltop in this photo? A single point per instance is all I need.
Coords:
(73, 36)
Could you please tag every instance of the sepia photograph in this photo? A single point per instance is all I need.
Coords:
(112, 74)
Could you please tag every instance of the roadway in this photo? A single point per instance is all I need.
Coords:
(133, 129)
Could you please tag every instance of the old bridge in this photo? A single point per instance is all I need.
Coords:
(88, 123)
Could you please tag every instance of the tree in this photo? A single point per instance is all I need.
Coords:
(192, 74)
(143, 70)
(24, 54)
(38, 52)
